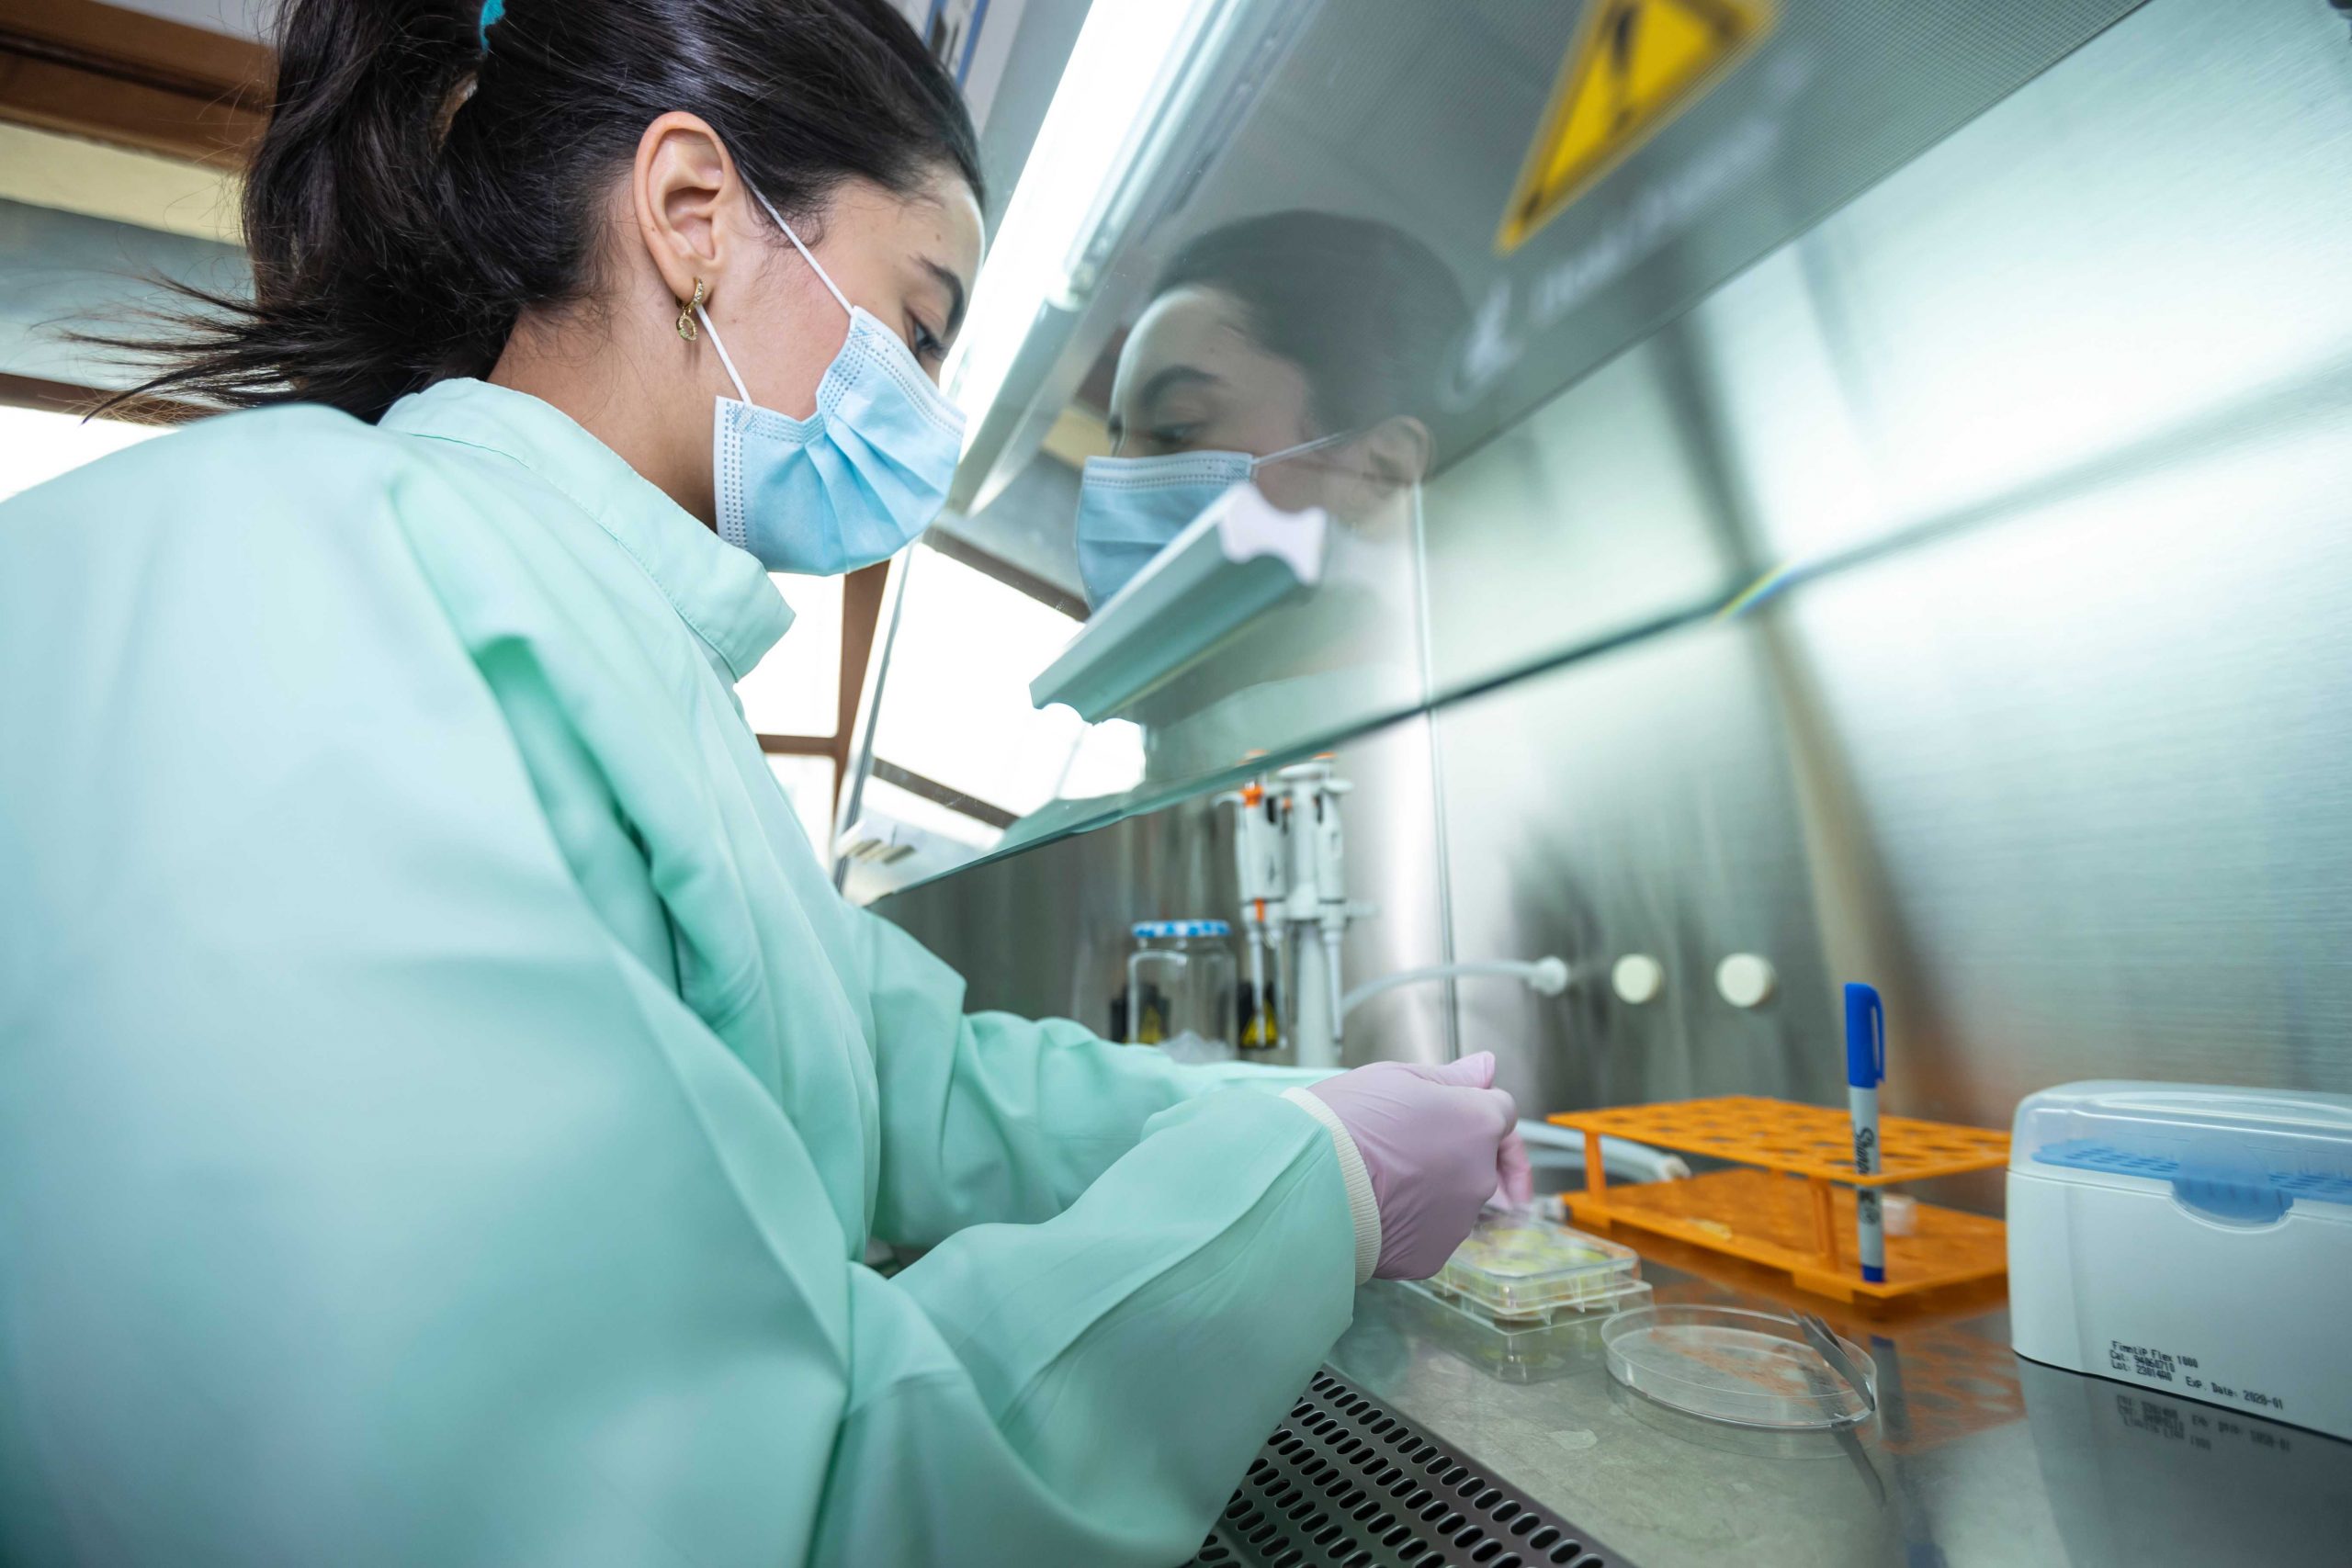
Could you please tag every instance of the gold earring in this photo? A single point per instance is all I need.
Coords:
(686, 328)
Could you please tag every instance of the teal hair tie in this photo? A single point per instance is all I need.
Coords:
(491, 10)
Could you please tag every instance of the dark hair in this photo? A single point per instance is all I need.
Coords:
(1365, 309)
(423, 179)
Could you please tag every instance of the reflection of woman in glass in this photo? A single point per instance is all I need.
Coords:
(1291, 350)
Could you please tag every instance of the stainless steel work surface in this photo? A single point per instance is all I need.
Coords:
(1977, 1457)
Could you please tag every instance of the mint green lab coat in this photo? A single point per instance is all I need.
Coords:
(444, 1104)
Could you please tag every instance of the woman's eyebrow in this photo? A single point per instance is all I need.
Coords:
(1175, 378)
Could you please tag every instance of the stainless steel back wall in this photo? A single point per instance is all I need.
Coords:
(1044, 933)
(1640, 803)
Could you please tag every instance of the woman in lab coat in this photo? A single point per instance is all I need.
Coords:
(443, 1103)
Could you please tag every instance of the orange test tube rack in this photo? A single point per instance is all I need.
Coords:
(1793, 1209)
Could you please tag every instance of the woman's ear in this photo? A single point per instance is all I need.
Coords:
(686, 191)
(1398, 449)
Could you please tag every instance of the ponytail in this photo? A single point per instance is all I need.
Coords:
(426, 176)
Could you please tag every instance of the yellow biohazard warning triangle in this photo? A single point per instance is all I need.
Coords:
(1635, 65)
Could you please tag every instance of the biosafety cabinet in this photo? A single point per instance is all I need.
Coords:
(1816, 490)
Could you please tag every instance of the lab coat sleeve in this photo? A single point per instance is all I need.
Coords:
(362, 1200)
(987, 1117)
(1111, 1232)
(1102, 1377)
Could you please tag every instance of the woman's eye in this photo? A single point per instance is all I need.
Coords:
(1173, 435)
(927, 347)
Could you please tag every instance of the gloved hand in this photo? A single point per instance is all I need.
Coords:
(1435, 1141)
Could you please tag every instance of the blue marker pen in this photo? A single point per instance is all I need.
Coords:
(1865, 1070)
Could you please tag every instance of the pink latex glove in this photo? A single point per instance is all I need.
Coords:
(1436, 1142)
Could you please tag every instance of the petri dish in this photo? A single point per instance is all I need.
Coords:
(1735, 1365)
(1516, 1350)
(1517, 1266)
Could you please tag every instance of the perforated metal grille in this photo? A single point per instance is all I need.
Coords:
(1347, 1482)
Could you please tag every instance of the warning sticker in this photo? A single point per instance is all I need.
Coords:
(1635, 65)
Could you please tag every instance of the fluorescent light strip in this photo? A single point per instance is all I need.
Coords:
(1128, 55)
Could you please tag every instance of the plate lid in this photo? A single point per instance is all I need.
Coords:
(1738, 1365)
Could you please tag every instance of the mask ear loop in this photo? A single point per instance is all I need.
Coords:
(711, 327)
(703, 316)
(838, 297)
(1302, 449)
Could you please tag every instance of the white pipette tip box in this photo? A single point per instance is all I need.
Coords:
(2189, 1239)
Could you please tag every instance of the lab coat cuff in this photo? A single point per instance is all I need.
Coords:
(1364, 1208)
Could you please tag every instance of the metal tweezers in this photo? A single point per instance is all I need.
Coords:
(1825, 1341)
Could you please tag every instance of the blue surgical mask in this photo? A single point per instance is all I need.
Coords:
(1130, 509)
(858, 481)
